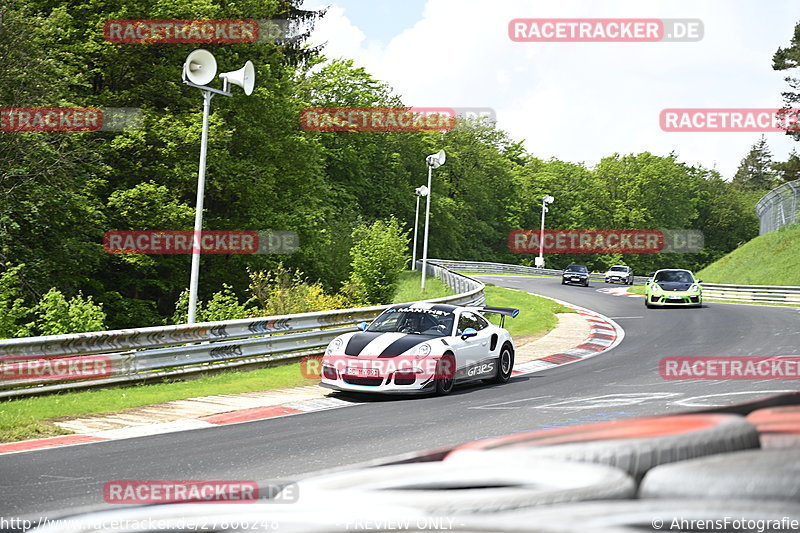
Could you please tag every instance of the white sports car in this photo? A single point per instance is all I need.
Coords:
(420, 348)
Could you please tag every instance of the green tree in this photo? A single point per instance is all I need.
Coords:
(378, 257)
(788, 58)
(57, 315)
(788, 170)
(755, 172)
(13, 310)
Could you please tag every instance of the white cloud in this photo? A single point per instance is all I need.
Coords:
(584, 101)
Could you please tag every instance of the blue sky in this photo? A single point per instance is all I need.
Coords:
(380, 20)
(578, 102)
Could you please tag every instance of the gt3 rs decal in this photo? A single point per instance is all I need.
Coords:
(481, 369)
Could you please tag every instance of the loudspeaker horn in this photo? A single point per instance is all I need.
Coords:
(200, 67)
(245, 78)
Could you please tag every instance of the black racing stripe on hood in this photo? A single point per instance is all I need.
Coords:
(359, 341)
(405, 343)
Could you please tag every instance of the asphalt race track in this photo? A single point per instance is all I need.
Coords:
(624, 382)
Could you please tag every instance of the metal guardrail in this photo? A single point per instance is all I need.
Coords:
(779, 207)
(37, 365)
(753, 293)
(502, 268)
(774, 294)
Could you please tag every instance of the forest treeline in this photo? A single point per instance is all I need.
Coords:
(61, 191)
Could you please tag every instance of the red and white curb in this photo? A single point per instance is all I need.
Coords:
(604, 335)
(222, 419)
(619, 291)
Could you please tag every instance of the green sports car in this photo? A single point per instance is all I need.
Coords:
(673, 286)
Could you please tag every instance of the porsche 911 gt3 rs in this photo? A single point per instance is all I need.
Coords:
(673, 287)
(420, 348)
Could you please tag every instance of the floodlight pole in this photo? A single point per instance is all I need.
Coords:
(540, 260)
(427, 227)
(208, 94)
(416, 225)
(198, 215)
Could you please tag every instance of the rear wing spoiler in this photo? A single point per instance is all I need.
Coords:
(502, 311)
(505, 311)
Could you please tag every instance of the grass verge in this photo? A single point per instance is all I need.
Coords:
(31, 418)
(408, 288)
(537, 315)
(27, 418)
(770, 259)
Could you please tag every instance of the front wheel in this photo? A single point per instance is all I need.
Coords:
(505, 365)
(445, 375)
(647, 303)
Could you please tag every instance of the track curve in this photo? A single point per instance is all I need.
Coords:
(624, 382)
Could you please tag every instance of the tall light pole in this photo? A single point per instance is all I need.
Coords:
(198, 70)
(419, 191)
(540, 260)
(433, 161)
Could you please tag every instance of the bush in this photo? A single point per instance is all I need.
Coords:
(12, 307)
(55, 315)
(378, 257)
(282, 292)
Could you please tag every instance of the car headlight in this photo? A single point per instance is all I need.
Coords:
(334, 346)
(694, 288)
(655, 287)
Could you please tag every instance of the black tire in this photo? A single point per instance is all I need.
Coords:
(647, 303)
(445, 367)
(634, 445)
(633, 516)
(752, 475)
(586, 284)
(504, 370)
(563, 282)
(486, 487)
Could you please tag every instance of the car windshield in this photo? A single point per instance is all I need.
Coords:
(415, 321)
(618, 269)
(675, 276)
(576, 268)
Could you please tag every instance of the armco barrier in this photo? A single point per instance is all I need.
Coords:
(789, 295)
(155, 352)
(752, 293)
(502, 268)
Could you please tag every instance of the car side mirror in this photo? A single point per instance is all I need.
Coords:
(363, 326)
(699, 281)
(469, 332)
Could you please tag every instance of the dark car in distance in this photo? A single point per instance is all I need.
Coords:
(575, 274)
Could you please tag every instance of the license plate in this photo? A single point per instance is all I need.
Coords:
(365, 372)
(675, 299)
(576, 279)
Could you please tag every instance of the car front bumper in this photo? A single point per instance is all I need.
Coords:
(675, 299)
(384, 387)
